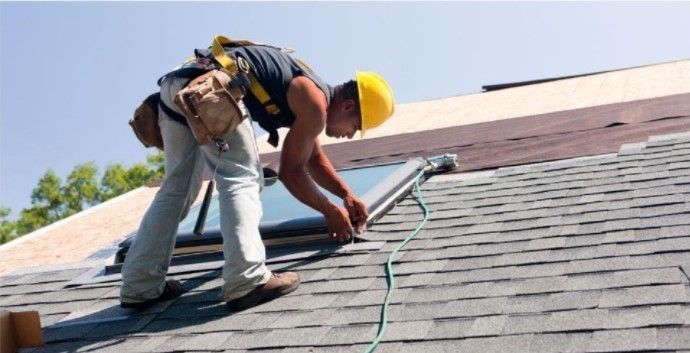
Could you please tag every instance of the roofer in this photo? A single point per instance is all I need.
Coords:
(293, 96)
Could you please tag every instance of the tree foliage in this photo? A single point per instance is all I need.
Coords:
(52, 199)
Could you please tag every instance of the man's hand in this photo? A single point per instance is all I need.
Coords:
(339, 226)
(357, 210)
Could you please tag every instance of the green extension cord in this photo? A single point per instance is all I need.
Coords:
(390, 276)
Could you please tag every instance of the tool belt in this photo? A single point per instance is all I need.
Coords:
(212, 105)
(145, 122)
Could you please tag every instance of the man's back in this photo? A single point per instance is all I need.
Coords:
(275, 70)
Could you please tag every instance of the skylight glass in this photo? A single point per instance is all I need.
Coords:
(280, 206)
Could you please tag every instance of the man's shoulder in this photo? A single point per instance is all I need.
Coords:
(304, 90)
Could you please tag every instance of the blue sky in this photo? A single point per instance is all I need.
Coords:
(72, 72)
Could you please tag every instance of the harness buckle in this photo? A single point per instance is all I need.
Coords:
(242, 64)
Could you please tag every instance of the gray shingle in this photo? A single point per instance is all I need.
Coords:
(13, 280)
(356, 284)
(409, 330)
(56, 276)
(124, 344)
(662, 315)
(293, 337)
(487, 325)
(320, 317)
(624, 340)
(30, 288)
(434, 294)
(57, 347)
(322, 274)
(425, 254)
(109, 329)
(203, 342)
(376, 297)
(450, 329)
(558, 342)
(519, 343)
(619, 236)
(297, 302)
(67, 333)
(348, 348)
(541, 285)
(479, 275)
(350, 334)
(471, 263)
(673, 338)
(474, 307)
(668, 294)
(416, 280)
(525, 304)
(624, 279)
(418, 311)
(9, 300)
(540, 270)
(358, 315)
(580, 320)
(419, 267)
(264, 320)
(527, 324)
(244, 340)
(229, 322)
(552, 302)
(524, 258)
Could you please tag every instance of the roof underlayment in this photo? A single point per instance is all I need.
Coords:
(585, 254)
(619, 86)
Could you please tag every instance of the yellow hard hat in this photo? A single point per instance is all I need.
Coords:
(376, 101)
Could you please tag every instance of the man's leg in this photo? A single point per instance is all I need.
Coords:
(148, 258)
(239, 180)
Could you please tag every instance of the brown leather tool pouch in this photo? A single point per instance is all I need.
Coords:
(145, 122)
(211, 106)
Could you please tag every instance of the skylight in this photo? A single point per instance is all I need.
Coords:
(287, 221)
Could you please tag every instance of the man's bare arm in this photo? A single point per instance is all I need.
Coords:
(322, 171)
(308, 103)
(324, 174)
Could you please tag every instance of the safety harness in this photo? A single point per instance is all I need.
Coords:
(236, 66)
(195, 66)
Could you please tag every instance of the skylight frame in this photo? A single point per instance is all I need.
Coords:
(378, 198)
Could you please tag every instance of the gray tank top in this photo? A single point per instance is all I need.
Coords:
(275, 70)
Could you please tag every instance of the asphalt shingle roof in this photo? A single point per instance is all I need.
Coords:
(588, 254)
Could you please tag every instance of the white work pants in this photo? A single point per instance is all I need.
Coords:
(238, 180)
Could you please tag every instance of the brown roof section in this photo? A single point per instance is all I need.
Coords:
(529, 139)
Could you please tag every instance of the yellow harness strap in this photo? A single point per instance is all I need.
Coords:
(230, 64)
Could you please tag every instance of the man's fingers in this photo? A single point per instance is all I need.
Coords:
(364, 211)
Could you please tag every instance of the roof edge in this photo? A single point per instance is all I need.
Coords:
(40, 231)
(552, 79)
(507, 85)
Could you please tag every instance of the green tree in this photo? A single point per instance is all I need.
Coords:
(46, 204)
(81, 189)
(118, 180)
(156, 163)
(8, 229)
